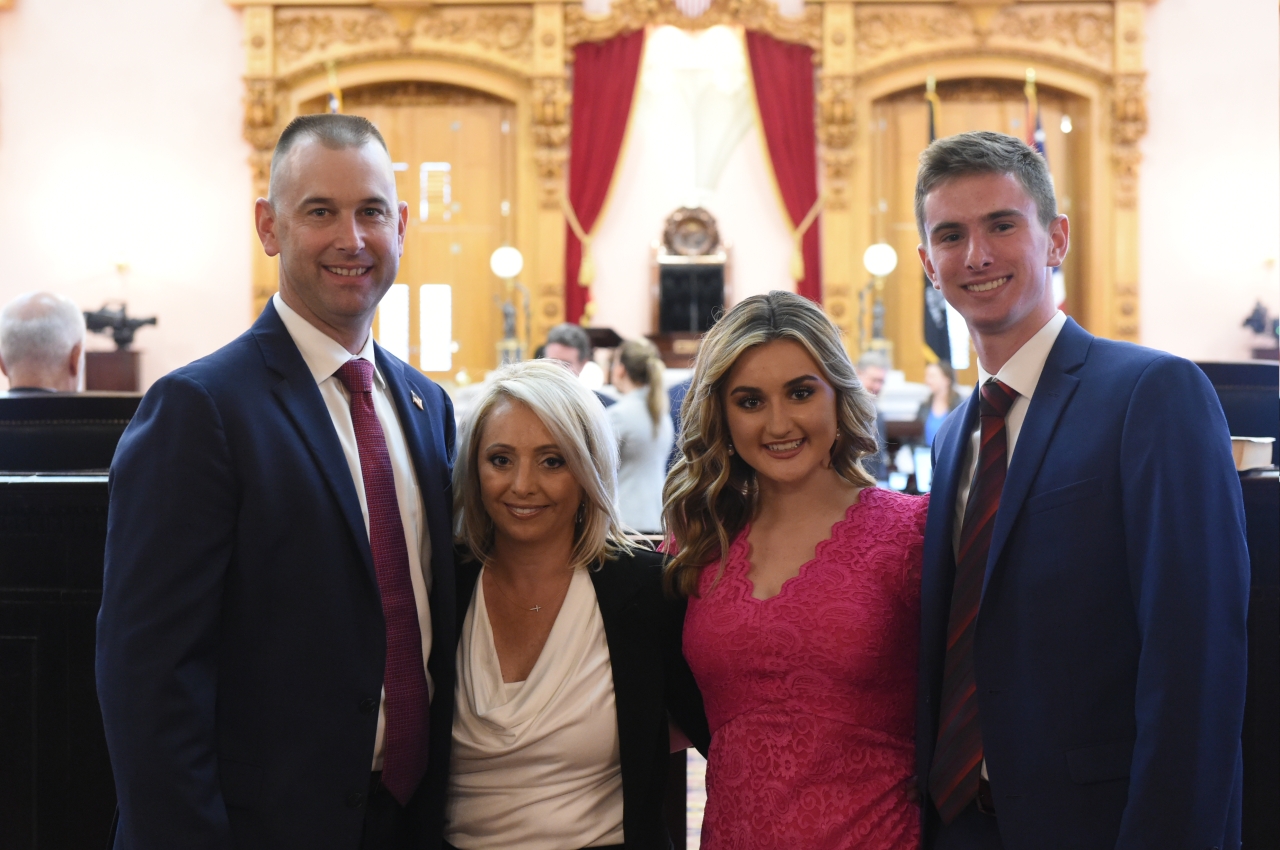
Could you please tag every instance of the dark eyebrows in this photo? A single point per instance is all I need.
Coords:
(989, 217)
(549, 447)
(794, 382)
(330, 202)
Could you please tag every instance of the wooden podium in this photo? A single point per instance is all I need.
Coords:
(689, 284)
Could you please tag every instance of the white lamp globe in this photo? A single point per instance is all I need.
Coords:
(880, 259)
(506, 262)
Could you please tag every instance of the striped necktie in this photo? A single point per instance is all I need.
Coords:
(957, 760)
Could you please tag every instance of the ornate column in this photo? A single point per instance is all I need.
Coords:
(836, 131)
(261, 129)
(551, 103)
(1128, 126)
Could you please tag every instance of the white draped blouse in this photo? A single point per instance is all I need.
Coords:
(536, 764)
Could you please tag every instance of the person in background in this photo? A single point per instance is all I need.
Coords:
(675, 401)
(569, 658)
(571, 346)
(872, 367)
(940, 378)
(803, 581)
(645, 434)
(275, 643)
(42, 344)
(1086, 576)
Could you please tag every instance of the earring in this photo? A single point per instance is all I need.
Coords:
(581, 515)
(731, 452)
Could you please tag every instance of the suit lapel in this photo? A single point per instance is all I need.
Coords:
(1052, 392)
(418, 420)
(300, 397)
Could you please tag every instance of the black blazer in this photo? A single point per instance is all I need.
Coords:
(643, 628)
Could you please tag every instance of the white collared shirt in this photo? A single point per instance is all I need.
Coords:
(324, 356)
(1021, 372)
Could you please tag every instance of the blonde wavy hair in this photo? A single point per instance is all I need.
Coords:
(711, 495)
(577, 423)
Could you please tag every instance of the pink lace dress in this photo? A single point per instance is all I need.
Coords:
(810, 694)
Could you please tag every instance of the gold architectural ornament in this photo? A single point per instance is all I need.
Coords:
(551, 134)
(1128, 126)
(499, 36)
(837, 128)
(866, 54)
(631, 15)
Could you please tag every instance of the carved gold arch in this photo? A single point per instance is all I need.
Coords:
(522, 51)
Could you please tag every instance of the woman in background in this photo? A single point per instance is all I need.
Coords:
(645, 434)
(803, 621)
(940, 378)
(569, 656)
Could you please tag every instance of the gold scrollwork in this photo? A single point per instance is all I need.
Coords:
(1089, 32)
(880, 31)
(551, 101)
(837, 127)
(1128, 126)
(761, 15)
(304, 37)
(260, 113)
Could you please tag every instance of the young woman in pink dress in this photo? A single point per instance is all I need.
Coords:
(803, 621)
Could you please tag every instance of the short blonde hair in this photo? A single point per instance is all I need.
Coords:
(577, 423)
(711, 495)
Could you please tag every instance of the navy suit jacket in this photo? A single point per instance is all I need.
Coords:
(1109, 651)
(241, 640)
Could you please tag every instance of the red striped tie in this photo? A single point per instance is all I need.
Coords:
(953, 779)
(404, 750)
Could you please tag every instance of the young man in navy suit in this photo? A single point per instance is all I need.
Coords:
(275, 662)
(1085, 574)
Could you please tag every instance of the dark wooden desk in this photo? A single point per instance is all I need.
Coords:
(56, 789)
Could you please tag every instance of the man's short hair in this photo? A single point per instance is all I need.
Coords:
(335, 132)
(871, 360)
(985, 152)
(40, 329)
(571, 336)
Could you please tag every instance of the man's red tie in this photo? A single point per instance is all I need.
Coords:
(404, 753)
(957, 760)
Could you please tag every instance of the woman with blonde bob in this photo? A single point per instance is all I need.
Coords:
(569, 655)
(803, 581)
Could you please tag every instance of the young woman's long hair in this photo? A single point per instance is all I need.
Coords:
(643, 365)
(711, 495)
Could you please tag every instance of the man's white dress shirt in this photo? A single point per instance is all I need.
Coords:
(324, 356)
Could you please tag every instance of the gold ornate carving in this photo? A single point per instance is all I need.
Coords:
(261, 112)
(1074, 34)
(551, 100)
(761, 15)
(1128, 126)
(306, 37)
(880, 31)
(837, 127)
(414, 93)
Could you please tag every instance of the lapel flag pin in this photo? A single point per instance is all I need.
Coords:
(417, 402)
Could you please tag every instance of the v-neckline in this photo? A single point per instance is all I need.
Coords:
(744, 541)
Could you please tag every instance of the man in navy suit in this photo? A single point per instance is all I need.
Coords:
(1085, 572)
(275, 645)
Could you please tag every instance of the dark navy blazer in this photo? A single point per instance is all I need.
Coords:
(1109, 651)
(241, 641)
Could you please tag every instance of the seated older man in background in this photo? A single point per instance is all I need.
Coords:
(42, 344)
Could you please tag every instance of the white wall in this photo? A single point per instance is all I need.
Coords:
(1210, 202)
(120, 142)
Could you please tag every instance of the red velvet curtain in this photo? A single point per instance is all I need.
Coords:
(783, 75)
(604, 82)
